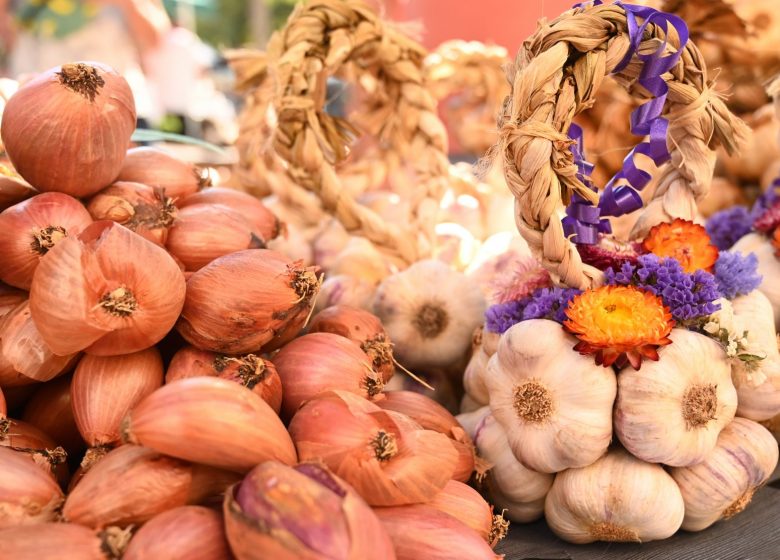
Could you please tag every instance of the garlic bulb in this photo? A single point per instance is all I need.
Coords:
(345, 290)
(592, 503)
(672, 410)
(474, 376)
(361, 259)
(723, 485)
(758, 383)
(555, 405)
(768, 267)
(430, 312)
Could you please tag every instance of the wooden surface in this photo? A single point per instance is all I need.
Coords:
(752, 535)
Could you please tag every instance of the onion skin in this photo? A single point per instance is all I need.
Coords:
(301, 513)
(384, 455)
(77, 293)
(28, 495)
(13, 189)
(421, 531)
(104, 389)
(247, 301)
(31, 228)
(140, 208)
(432, 416)
(3, 405)
(61, 140)
(183, 533)
(25, 357)
(132, 484)
(254, 373)
(159, 170)
(63, 541)
(467, 506)
(50, 411)
(361, 327)
(319, 362)
(210, 421)
(29, 441)
(10, 298)
(265, 222)
(205, 232)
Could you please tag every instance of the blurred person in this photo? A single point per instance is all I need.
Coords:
(41, 34)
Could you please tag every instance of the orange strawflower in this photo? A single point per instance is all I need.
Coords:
(619, 324)
(685, 241)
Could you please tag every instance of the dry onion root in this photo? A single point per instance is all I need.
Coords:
(467, 505)
(28, 440)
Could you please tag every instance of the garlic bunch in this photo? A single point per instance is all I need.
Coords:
(430, 312)
(672, 410)
(555, 405)
(619, 498)
(723, 485)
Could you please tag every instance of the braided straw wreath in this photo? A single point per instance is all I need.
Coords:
(320, 38)
(555, 76)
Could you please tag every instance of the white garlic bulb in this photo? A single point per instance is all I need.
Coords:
(361, 259)
(345, 290)
(768, 268)
(618, 498)
(429, 312)
(472, 420)
(555, 405)
(672, 410)
(723, 485)
(474, 376)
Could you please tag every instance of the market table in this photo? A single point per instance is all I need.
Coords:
(752, 535)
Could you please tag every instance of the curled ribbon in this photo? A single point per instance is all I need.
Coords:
(583, 221)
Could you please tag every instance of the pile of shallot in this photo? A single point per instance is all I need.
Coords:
(158, 398)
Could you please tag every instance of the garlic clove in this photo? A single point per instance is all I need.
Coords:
(723, 485)
(211, 421)
(467, 506)
(421, 531)
(182, 533)
(28, 495)
(589, 504)
(64, 541)
(551, 423)
(672, 410)
(474, 376)
(304, 512)
(430, 312)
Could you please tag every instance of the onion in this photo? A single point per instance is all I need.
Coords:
(3, 412)
(307, 512)
(432, 416)
(10, 298)
(264, 221)
(63, 541)
(210, 421)
(13, 189)
(50, 410)
(25, 357)
(182, 533)
(384, 455)
(145, 210)
(361, 327)
(30, 441)
(108, 291)
(467, 505)
(247, 301)
(103, 391)
(319, 362)
(159, 170)
(204, 232)
(31, 228)
(28, 495)
(251, 371)
(132, 484)
(67, 130)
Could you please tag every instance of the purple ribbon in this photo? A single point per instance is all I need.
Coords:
(584, 221)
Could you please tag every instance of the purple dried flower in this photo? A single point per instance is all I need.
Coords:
(736, 274)
(688, 296)
(727, 226)
(549, 303)
(501, 316)
(609, 252)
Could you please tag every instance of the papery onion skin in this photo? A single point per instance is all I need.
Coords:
(301, 513)
(31, 442)
(143, 209)
(157, 169)
(105, 388)
(247, 301)
(10, 298)
(3, 405)
(467, 506)
(70, 140)
(63, 541)
(182, 533)
(25, 358)
(318, 362)
(108, 292)
(13, 189)
(50, 410)
(31, 228)
(28, 495)
(266, 223)
(253, 372)
(210, 421)
(421, 531)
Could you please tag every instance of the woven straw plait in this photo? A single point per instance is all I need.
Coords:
(555, 76)
(320, 39)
